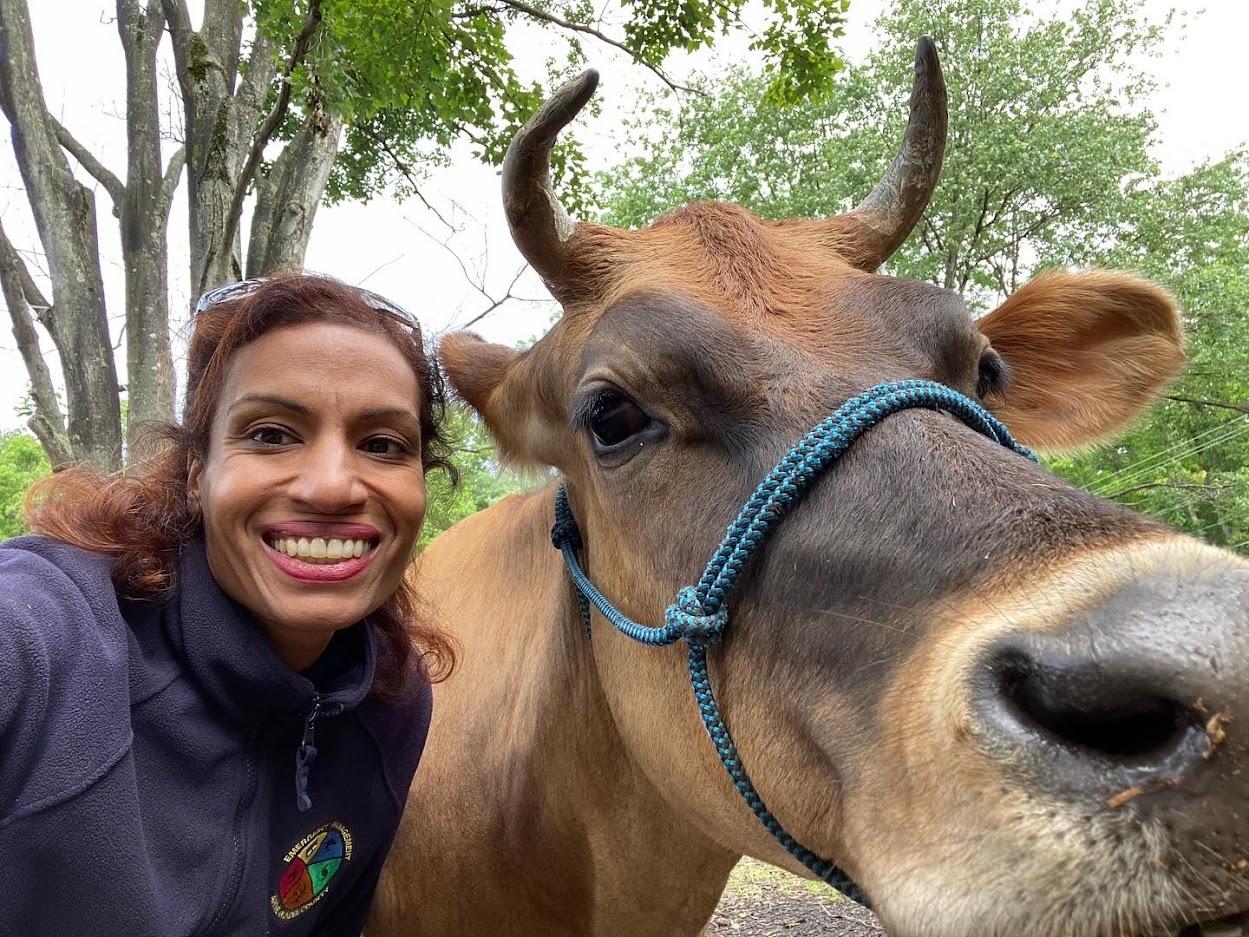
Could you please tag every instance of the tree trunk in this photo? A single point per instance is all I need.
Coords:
(288, 198)
(950, 282)
(144, 223)
(20, 293)
(65, 217)
(220, 121)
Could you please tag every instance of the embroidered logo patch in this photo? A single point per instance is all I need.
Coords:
(311, 865)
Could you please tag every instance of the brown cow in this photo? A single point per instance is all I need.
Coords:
(1003, 706)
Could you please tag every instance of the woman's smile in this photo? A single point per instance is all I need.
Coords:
(312, 551)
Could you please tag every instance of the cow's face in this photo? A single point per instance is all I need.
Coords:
(1002, 705)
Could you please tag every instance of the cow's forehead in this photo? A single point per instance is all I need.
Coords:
(720, 277)
(738, 263)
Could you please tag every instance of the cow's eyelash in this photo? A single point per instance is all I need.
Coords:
(587, 404)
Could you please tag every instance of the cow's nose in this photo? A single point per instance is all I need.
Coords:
(1139, 692)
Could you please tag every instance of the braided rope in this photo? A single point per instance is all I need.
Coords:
(699, 616)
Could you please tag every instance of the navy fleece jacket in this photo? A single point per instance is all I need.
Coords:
(148, 779)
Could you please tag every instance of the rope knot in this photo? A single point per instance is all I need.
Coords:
(565, 529)
(688, 616)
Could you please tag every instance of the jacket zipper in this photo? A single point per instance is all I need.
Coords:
(306, 754)
(240, 816)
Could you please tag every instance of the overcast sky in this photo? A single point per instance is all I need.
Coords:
(392, 248)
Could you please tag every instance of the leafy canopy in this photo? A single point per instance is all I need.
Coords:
(22, 462)
(411, 79)
(1047, 164)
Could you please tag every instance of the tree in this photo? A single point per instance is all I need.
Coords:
(22, 462)
(285, 104)
(1042, 138)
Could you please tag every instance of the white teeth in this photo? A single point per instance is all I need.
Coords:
(321, 549)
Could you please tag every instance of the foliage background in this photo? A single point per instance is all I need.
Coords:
(1048, 164)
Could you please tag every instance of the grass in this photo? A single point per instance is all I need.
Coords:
(752, 879)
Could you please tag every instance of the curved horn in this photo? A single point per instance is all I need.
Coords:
(540, 226)
(893, 208)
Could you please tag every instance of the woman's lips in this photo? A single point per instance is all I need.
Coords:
(320, 572)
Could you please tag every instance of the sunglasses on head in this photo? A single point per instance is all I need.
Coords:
(232, 291)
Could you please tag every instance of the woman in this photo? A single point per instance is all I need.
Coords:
(210, 712)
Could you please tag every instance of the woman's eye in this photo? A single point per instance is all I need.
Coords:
(994, 374)
(271, 436)
(385, 445)
(615, 418)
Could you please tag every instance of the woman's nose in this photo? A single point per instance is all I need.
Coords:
(328, 480)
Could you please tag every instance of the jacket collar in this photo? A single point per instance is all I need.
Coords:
(230, 657)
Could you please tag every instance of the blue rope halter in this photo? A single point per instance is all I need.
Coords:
(700, 614)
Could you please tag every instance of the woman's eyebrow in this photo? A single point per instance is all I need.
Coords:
(273, 399)
(387, 413)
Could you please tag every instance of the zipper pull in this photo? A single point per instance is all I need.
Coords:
(306, 755)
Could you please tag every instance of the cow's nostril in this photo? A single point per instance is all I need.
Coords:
(1108, 724)
(1092, 710)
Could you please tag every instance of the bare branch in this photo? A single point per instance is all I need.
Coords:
(97, 170)
(477, 285)
(533, 12)
(244, 181)
(169, 183)
(406, 172)
(1204, 489)
(30, 289)
(498, 302)
(1220, 404)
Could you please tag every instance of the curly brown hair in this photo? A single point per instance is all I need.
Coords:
(144, 516)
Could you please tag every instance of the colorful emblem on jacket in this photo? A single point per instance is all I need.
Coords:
(311, 865)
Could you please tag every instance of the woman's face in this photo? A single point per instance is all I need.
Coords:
(312, 491)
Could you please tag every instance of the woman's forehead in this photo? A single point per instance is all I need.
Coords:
(323, 364)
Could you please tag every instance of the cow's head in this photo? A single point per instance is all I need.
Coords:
(1002, 705)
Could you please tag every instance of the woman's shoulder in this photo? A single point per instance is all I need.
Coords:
(62, 595)
(55, 562)
(64, 668)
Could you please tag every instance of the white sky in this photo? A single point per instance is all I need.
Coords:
(387, 246)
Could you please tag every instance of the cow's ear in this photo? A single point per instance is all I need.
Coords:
(480, 373)
(475, 367)
(1087, 352)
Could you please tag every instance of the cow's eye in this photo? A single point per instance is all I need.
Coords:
(615, 418)
(994, 374)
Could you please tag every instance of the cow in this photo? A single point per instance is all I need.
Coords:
(997, 703)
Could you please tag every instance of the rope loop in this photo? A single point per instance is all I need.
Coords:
(700, 613)
(689, 616)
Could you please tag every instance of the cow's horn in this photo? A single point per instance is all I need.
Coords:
(893, 208)
(540, 226)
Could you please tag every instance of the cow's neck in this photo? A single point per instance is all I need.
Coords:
(543, 822)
